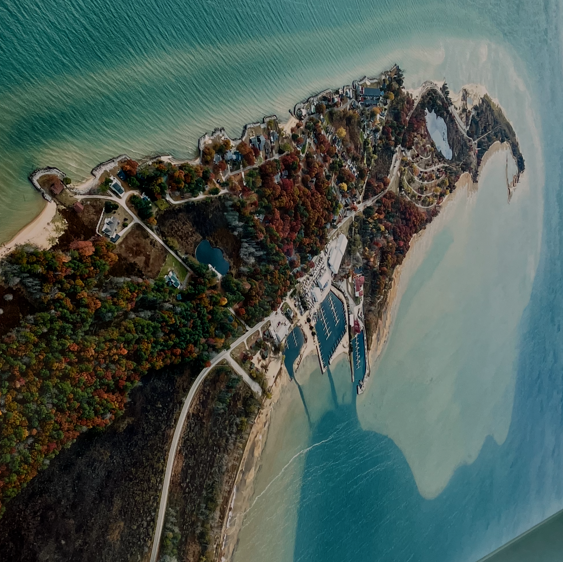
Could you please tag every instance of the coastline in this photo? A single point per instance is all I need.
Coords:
(308, 359)
(38, 232)
(243, 489)
(419, 246)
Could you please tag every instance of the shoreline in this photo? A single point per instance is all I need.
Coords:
(38, 232)
(420, 243)
(417, 251)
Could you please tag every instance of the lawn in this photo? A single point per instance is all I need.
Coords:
(172, 263)
(161, 204)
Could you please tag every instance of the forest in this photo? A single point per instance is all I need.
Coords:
(69, 366)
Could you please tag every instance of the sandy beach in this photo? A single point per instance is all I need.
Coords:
(39, 232)
(420, 244)
(291, 122)
(308, 361)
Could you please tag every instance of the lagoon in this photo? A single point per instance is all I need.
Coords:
(439, 133)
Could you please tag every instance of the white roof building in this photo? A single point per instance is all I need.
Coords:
(337, 253)
(324, 279)
(279, 326)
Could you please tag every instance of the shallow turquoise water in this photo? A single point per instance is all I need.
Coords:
(455, 447)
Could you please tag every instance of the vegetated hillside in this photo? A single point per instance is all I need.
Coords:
(208, 457)
(97, 501)
(489, 122)
(69, 366)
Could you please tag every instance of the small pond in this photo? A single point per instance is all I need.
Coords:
(206, 253)
(439, 132)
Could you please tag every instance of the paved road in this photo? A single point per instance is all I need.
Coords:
(224, 355)
(123, 203)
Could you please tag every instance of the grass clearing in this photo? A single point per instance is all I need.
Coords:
(161, 204)
(172, 263)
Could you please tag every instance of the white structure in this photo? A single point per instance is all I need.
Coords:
(316, 295)
(337, 253)
(279, 327)
(116, 187)
(110, 227)
(324, 280)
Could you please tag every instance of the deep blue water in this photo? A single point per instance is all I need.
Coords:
(330, 326)
(359, 356)
(207, 254)
(293, 346)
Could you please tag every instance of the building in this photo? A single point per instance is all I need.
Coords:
(172, 279)
(359, 286)
(371, 96)
(56, 186)
(279, 327)
(258, 142)
(116, 187)
(78, 207)
(110, 227)
(337, 253)
(233, 156)
(324, 280)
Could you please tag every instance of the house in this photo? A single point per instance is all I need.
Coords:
(372, 94)
(56, 186)
(78, 207)
(172, 279)
(258, 142)
(217, 159)
(116, 187)
(233, 156)
(274, 136)
(359, 286)
(110, 226)
(122, 175)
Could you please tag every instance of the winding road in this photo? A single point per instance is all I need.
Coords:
(224, 355)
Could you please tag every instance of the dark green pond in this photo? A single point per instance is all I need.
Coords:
(206, 253)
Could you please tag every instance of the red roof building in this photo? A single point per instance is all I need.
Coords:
(78, 207)
(359, 286)
(57, 186)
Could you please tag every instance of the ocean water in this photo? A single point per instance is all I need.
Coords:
(455, 447)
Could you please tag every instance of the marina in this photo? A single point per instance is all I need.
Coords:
(293, 346)
(359, 356)
(330, 328)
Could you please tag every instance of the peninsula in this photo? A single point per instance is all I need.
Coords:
(207, 280)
